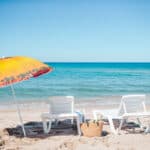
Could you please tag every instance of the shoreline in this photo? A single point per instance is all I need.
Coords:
(101, 101)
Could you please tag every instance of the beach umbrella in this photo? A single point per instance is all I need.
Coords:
(18, 68)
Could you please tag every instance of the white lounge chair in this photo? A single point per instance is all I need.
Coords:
(130, 106)
(60, 108)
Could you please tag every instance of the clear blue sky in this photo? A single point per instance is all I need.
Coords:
(76, 30)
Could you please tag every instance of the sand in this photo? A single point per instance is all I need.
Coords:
(67, 140)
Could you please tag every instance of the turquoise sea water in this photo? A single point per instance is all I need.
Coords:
(84, 80)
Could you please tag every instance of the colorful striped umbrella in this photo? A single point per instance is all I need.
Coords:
(17, 69)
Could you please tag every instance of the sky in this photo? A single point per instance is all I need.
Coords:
(76, 30)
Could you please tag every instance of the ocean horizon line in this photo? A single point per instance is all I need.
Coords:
(94, 62)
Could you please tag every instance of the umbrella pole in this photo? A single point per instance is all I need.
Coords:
(18, 109)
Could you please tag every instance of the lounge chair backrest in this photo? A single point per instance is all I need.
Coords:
(132, 104)
(61, 104)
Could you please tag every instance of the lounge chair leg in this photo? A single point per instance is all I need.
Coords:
(95, 115)
(56, 122)
(111, 125)
(122, 120)
(148, 128)
(72, 121)
(46, 127)
(78, 126)
(139, 122)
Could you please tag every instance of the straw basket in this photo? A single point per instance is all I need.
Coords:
(92, 129)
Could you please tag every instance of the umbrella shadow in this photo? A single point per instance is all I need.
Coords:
(35, 130)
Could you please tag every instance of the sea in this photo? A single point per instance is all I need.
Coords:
(83, 80)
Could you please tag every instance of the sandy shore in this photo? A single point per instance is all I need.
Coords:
(69, 140)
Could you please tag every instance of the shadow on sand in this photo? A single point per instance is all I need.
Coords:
(35, 130)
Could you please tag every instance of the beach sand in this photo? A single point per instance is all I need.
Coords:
(67, 140)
